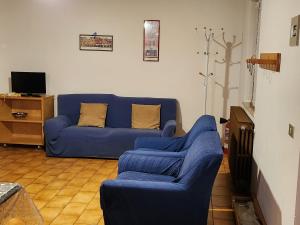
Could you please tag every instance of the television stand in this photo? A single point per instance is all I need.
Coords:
(31, 95)
(27, 130)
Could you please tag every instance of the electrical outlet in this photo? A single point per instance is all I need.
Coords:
(291, 130)
(294, 36)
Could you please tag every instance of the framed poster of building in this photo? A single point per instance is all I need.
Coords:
(151, 40)
(96, 42)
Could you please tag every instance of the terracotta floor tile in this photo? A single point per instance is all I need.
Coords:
(63, 165)
(50, 213)
(101, 222)
(105, 171)
(94, 204)
(57, 184)
(11, 177)
(46, 194)
(66, 190)
(44, 179)
(89, 217)
(91, 186)
(35, 188)
(93, 166)
(64, 220)
(4, 172)
(83, 197)
(40, 203)
(69, 191)
(54, 172)
(85, 174)
(59, 201)
(33, 174)
(78, 182)
(74, 169)
(98, 178)
(74, 209)
(66, 176)
(22, 170)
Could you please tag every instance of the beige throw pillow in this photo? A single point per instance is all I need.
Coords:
(92, 114)
(145, 116)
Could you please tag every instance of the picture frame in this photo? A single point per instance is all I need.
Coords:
(151, 40)
(89, 42)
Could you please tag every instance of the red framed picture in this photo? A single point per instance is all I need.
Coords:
(151, 40)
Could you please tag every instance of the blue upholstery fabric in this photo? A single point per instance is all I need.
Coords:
(159, 143)
(120, 114)
(55, 125)
(204, 123)
(131, 175)
(158, 162)
(136, 198)
(65, 139)
(77, 141)
(169, 129)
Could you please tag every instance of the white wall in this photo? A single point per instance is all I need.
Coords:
(277, 105)
(42, 35)
(250, 31)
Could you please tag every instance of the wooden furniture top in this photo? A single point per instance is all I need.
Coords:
(25, 97)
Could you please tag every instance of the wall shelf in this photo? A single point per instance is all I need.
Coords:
(268, 61)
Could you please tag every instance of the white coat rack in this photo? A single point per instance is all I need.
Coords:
(209, 36)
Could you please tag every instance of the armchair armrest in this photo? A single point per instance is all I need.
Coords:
(54, 126)
(160, 143)
(139, 202)
(169, 129)
(154, 162)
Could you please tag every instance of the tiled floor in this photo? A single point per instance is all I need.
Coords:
(66, 191)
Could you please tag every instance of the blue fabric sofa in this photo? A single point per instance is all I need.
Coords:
(65, 139)
(153, 197)
(167, 152)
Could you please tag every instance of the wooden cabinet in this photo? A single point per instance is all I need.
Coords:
(29, 130)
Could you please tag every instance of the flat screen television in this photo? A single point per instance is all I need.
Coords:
(28, 83)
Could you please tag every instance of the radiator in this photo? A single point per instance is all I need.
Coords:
(240, 150)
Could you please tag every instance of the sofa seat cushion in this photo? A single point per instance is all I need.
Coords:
(131, 175)
(77, 141)
(107, 132)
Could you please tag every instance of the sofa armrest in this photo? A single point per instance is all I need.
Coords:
(169, 129)
(139, 202)
(154, 162)
(54, 126)
(160, 143)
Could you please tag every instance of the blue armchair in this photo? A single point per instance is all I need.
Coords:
(176, 144)
(163, 152)
(143, 198)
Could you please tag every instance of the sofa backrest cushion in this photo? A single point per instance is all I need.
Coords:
(119, 108)
(203, 157)
(204, 123)
(69, 105)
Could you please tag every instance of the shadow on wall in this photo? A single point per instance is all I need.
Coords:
(179, 129)
(265, 198)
